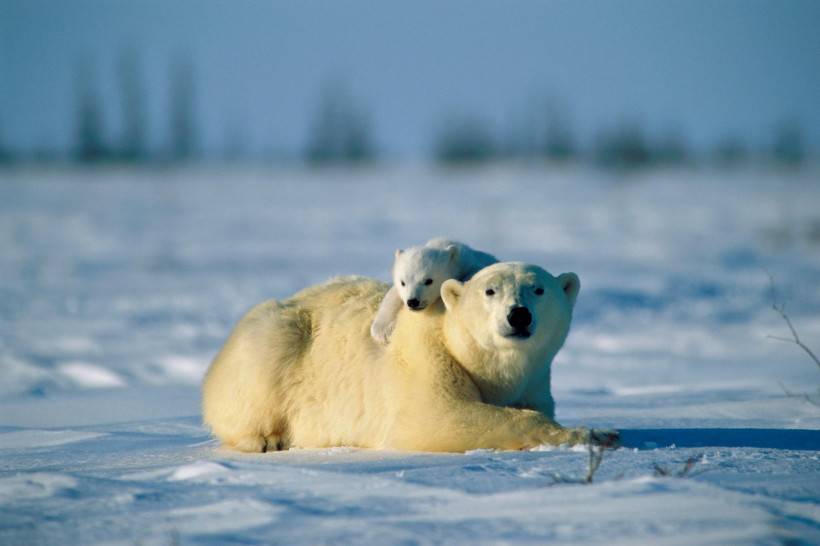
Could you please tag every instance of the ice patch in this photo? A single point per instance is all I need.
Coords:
(91, 376)
(34, 486)
(196, 470)
(20, 439)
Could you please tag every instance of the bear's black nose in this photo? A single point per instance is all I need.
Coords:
(413, 303)
(519, 318)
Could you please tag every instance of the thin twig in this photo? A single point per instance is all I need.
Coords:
(686, 470)
(805, 396)
(596, 455)
(690, 464)
(781, 310)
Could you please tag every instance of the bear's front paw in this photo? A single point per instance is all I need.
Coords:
(605, 438)
(381, 332)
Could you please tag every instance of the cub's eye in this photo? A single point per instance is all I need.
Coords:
(489, 292)
(402, 283)
(428, 282)
(539, 291)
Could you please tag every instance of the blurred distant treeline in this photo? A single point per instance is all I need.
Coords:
(547, 136)
(341, 132)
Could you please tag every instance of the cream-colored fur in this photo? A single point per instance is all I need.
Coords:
(305, 372)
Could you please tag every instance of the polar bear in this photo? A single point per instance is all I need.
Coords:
(418, 272)
(472, 371)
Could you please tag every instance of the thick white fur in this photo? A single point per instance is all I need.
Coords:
(413, 268)
(305, 372)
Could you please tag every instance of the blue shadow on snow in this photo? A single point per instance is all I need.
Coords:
(721, 437)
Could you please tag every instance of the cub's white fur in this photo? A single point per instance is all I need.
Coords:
(418, 273)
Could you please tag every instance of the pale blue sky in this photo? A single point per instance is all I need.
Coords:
(708, 68)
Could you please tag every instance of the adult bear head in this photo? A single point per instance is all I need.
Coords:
(505, 325)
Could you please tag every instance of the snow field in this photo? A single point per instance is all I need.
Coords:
(118, 288)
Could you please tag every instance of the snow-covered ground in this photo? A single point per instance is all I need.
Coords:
(118, 287)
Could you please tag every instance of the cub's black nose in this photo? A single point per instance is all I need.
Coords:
(413, 304)
(519, 318)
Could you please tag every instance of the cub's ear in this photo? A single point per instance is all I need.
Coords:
(452, 250)
(397, 253)
(570, 284)
(451, 290)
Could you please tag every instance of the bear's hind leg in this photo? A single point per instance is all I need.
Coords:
(248, 444)
(274, 442)
(258, 444)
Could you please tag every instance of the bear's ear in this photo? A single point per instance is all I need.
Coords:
(570, 284)
(451, 292)
(452, 250)
(397, 253)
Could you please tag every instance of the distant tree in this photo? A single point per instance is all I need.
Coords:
(523, 136)
(788, 147)
(5, 153)
(671, 148)
(730, 150)
(90, 143)
(43, 153)
(559, 143)
(543, 131)
(623, 147)
(132, 145)
(464, 139)
(340, 131)
(235, 145)
(182, 111)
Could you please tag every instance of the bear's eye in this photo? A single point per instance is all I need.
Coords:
(402, 283)
(489, 292)
(428, 282)
(539, 291)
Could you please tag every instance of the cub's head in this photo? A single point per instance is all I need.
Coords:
(419, 271)
(511, 308)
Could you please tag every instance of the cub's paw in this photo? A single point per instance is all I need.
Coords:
(605, 438)
(381, 332)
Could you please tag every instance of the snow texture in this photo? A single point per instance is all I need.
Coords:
(118, 287)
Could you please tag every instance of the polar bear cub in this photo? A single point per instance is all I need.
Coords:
(418, 273)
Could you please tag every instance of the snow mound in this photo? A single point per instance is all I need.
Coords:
(91, 376)
(197, 470)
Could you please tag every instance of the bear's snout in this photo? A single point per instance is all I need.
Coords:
(519, 318)
(413, 303)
